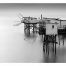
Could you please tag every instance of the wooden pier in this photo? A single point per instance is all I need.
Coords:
(47, 29)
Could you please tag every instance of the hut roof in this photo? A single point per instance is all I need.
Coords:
(52, 23)
(51, 18)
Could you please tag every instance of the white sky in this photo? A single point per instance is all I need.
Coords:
(9, 12)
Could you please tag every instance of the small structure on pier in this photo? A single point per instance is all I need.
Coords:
(62, 28)
(30, 23)
(50, 36)
(51, 28)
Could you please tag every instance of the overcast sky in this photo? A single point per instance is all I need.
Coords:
(9, 12)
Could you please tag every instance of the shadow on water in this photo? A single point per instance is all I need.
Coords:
(30, 37)
(60, 55)
(62, 36)
(50, 57)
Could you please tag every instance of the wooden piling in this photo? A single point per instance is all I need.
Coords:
(28, 29)
(59, 39)
(44, 44)
(55, 44)
(48, 48)
(33, 28)
(53, 47)
(44, 47)
(24, 28)
(63, 40)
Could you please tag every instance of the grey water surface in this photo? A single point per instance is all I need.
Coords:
(15, 46)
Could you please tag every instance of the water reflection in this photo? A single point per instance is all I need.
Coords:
(50, 55)
(32, 36)
(60, 56)
(18, 47)
(50, 59)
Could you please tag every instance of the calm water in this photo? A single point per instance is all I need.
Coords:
(16, 47)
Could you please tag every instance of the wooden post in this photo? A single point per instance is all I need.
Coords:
(48, 48)
(43, 38)
(33, 28)
(53, 47)
(55, 44)
(29, 29)
(44, 44)
(47, 37)
(63, 40)
(24, 28)
(59, 40)
(44, 47)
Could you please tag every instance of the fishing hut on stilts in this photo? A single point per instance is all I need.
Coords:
(30, 23)
(47, 27)
(50, 36)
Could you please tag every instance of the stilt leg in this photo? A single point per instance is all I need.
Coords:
(33, 28)
(44, 47)
(48, 49)
(55, 44)
(59, 39)
(63, 40)
(55, 48)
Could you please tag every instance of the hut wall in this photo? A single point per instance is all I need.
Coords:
(51, 29)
